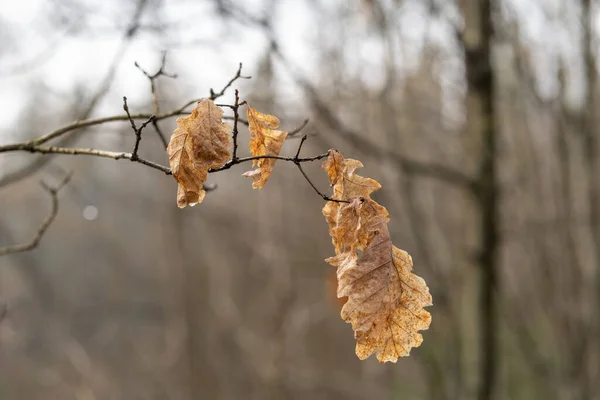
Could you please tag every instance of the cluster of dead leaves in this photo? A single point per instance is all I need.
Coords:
(202, 142)
(385, 299)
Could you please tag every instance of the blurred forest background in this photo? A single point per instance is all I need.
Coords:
(477, 116)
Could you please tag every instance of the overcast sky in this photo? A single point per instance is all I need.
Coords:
(205, 52)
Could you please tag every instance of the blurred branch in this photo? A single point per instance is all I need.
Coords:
(238, 75)
(297, 130)
(53, 192)
(103, 89)
(425, 169)
(152, 78)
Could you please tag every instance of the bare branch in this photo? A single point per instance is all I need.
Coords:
(33, 243)
(238, 75)
(299, 165)
(128, 156)
(300, 146)
(127, 117)
(152, 78)
(160, 133)
(236, 117)
(138, 131)
(431, 170)
(36, 145)
(103, 89)
(298, 129)
(91, 152)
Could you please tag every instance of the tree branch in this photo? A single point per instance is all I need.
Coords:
(297, 161)
(90, 152)
(33, 243)
(152, 78)
(36, 145)
(238, 75)
(136, 130)
(425, 169)
(103, 89)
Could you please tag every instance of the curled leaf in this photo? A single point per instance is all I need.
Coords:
(265, 140)
(200, 142)
(347, 185)
(343, 218)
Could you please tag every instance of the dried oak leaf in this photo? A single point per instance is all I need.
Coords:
(200, 142)
(346, 184)
(265, 140)
(344, 219)
(385, 299)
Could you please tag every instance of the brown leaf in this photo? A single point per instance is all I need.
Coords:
(265, 140)
(200, 142)
(346, 184)
(385, 300)
(343, 219)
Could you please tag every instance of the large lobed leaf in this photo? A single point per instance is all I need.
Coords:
(385, 299)
(200, 142)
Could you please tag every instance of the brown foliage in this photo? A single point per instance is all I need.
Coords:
(385, 300)
(200, 142)
(265, 140)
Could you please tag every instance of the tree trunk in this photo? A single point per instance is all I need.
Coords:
(481, 121)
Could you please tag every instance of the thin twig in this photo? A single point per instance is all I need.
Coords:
(99, 121)
(160, 133)
(152, 78)
(300, 147)
(238, 75)
(127, 38)
(128, 156)
(53, 191)
(92, 152)
(236, 117)
(298, 129)
(426, 169)
(136, 130)
(35, 145)
(296, 160)
(241, 160)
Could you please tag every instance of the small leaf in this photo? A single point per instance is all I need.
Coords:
(200, 142)
(348, 186)
(265, 140)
